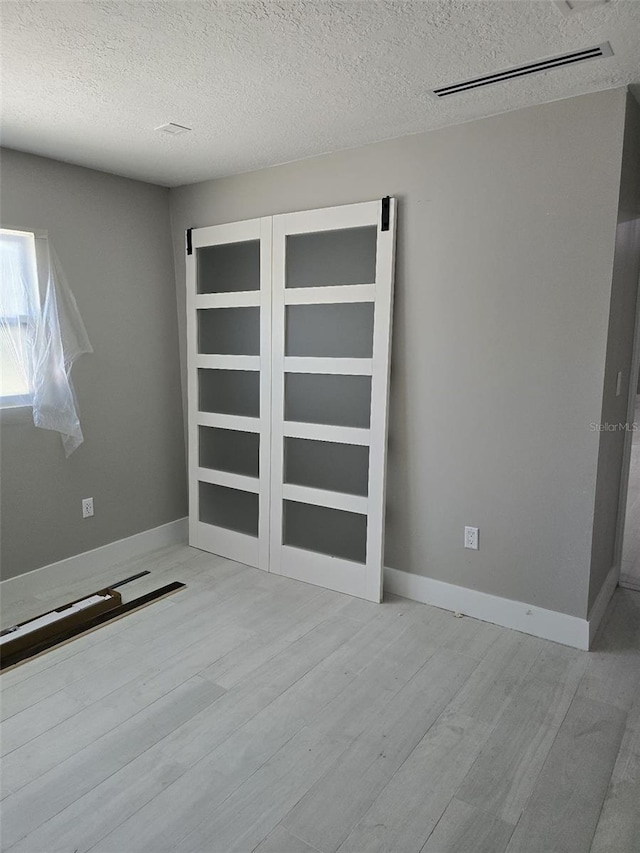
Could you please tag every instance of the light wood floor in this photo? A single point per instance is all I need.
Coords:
(250, 712)
(630, 564)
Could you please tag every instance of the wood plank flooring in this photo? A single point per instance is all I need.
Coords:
(250, 712)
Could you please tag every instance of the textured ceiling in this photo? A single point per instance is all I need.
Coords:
(266, 82)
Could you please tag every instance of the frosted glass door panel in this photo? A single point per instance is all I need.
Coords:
(229, 508)
(327, 399)
(230, 392)
(229, 331)
(327, 465)
(332, 277)
(326, 531)
(229, 275)
(343, 330)
(230, 450)
(229, 267)
(343, 256)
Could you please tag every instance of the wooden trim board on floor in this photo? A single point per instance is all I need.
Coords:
(14, 659)
(73, 570)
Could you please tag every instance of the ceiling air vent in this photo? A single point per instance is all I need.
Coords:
(568, 7)
(524, 70)
(173, 128)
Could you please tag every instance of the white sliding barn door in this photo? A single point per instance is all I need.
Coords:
(229, 398)
(332, 301)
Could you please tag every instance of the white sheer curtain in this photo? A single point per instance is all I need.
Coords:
(42, 334)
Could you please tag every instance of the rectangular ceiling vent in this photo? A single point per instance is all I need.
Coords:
(173, 128)
(568, 7)
(572, 58)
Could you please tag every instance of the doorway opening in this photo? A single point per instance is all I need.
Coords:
(630, 558)
(628, 550)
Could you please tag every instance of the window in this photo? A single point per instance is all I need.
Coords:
(19, 310)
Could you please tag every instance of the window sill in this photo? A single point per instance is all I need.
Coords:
(16, 415)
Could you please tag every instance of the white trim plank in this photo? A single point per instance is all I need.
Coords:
(71, 574)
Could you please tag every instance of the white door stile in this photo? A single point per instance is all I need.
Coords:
(353, 578)
(382, 325)
(193, 460)
(278, 272)
(243, 548)
(266, 286)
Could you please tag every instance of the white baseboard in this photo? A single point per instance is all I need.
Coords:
(548, 624)
(629, 582)
(73, 569)
(602, 601)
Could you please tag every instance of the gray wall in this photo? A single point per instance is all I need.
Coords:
(505, 254)
(112, 238)
(624, 293)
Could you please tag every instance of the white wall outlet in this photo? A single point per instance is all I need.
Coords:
(87, 507)
(471, 537)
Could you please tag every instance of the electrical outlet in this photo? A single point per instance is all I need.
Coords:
(471, 537)
(87, 507)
